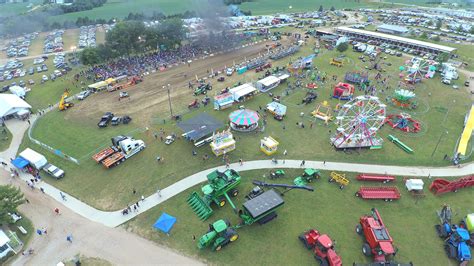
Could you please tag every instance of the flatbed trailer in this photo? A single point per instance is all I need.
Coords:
(441, 186)
(383, 193)
(376, 178)
(113, 160)
(100, 156)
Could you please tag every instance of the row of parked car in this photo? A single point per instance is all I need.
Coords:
(109, 118)
(53, 42)
(87, 37)
(19, 47)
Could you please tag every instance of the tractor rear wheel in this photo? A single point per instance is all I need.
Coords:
(303, 239)
(234, 192)
(450, 251)
(359, 229)
(367, 250)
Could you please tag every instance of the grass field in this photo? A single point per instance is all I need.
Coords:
(5, 138)
(327, 209)
(441, 114)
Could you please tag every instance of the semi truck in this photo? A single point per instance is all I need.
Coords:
(122, 148)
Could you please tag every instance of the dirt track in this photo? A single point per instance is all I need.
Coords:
(90, 239)
(149, 97)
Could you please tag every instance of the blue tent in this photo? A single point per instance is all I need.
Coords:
(20, 163)
(165, 223)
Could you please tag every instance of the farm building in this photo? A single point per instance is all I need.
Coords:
(13, 106)
(364, 36)
(392, 29)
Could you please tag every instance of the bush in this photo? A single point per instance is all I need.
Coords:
(342, 47)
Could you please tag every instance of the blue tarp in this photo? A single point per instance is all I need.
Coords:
(20, 163)
(165, 223)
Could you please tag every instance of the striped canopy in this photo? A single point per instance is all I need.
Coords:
(244, 117)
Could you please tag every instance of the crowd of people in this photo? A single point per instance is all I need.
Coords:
(159, 60)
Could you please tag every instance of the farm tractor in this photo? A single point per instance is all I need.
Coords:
(277, 174)
(259, 209)
(202, 89)
(322, 246)
(378, 242)
(457, 238)
(219, 185)
(308, 176)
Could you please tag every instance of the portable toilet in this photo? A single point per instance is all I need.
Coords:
(414, 184)
(470, 223)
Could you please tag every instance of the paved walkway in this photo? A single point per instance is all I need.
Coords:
(116, 218)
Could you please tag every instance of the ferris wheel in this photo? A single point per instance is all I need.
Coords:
(358, 122)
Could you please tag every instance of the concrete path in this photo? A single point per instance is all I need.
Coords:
(116, 218)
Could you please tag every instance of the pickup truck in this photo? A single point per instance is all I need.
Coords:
(105, 120)
(53, 171)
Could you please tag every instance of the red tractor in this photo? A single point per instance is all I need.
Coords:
(378, 242)
(323, 247)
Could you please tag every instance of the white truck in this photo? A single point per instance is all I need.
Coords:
(122, 148)
(53, 171)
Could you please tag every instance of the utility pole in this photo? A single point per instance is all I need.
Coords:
(169, 101)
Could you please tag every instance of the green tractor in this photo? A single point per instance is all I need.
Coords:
(261, 209)
(220, 233)
(308, 176)
(219, 184)
(202, 89)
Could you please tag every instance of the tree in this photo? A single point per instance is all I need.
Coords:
(439, 23)
(332, 8)
(342, 47)
(126, 37)
(460, 28)
(90, 56)
(436, 38)
(320, 8)
(10, 198)
(424, 35)
(443, 57)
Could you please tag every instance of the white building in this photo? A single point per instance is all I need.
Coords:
(4, 244)
(13, 106)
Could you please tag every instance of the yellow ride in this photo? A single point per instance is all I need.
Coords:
(336, 62)
(63, 103)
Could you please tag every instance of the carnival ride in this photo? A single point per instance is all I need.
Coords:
(358, 122)
(467, 133)
(244, 120)
(404, 99)
(357, 78)
(418, 69)
(343, 91)
(323, 111)
(403, 122)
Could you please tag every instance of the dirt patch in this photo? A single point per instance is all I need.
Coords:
(149, 97)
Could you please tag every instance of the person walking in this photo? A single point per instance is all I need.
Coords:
(241, 162)
(56, 210)
(158, 192)
(62, 195)
(324, 162)
(143, 198)
(69, 238)
(302, 163)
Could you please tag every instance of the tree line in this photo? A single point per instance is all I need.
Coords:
(132, 37)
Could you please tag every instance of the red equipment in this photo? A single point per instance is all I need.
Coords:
(194, 104)
(323, 247)
(312, 85)
(343, 91)
(376, 178)
(379, 243)
(385, 193)
(403, 123)
(441, 186)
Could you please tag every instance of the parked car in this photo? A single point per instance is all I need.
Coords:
(53, 171)
(84, 94)
(31, 82)
(31, 70)
(44, 78)
(116, 121)
(105, 119)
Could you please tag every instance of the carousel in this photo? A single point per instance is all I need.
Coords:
(244, 120)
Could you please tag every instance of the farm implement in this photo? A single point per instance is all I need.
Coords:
(288, 187)
(308, 176)
(400, 144)
(441, 186)
(260, 209)
(338, 178)
(383, 193)
(216, 191)
(378, 242)
(322, 246)
(375, 178)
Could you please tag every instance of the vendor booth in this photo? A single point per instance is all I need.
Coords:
(35, 159)
(276, 109)
(223, 101)
(268, 83)
(243, 92)
(222, 143)
(269, 145)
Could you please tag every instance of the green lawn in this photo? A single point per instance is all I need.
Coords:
(79, 137)
(327, 209)
(5, 138)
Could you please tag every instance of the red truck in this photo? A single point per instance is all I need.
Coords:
(323, 247)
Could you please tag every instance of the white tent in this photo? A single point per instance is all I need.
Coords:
(11, 104)
(242, 91)
(37, 160)
(18, 91)
(414, 184)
